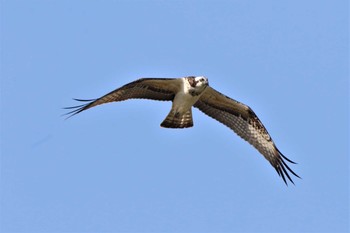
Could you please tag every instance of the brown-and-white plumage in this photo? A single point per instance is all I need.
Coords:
(195, 91)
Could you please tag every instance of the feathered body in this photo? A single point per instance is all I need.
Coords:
(195, 91)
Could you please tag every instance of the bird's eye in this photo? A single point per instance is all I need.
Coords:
(202, 79)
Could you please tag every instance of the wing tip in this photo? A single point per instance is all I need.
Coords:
(283, 169)
(78, 108)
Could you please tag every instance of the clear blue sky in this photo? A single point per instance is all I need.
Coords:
(114, 169)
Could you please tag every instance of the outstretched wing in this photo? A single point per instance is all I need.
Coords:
(242, 120)
(146, 88)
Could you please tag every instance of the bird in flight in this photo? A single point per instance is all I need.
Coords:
(195, 91)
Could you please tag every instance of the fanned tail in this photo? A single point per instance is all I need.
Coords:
(175, 120)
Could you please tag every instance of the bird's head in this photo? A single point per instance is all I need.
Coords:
(197, 84)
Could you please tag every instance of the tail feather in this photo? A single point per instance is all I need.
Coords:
(174, 120)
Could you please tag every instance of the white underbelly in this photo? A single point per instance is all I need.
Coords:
(183, 102)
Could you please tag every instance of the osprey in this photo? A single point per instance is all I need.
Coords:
(195, 91)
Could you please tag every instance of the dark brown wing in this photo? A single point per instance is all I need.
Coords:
(146, 88)
(242, 120)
